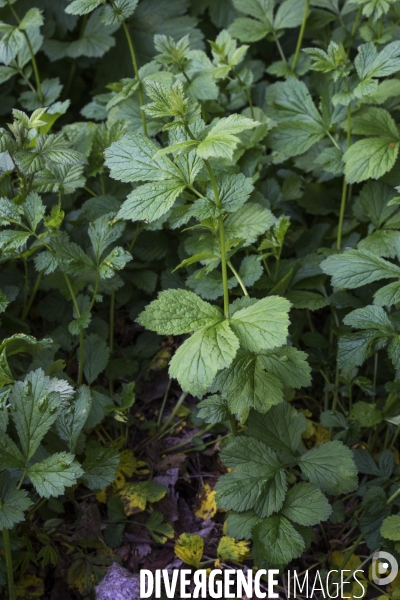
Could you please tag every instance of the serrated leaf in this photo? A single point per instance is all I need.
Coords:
(289, 364)
(52, 475)
(231, 549)
(331, 467)
(214, 409)
(246, 385)
(262, 326)
(366, 414)
(370, 158)
(278, 540)
(151, 201)
(72, 419)
(248, 222)
(355, 268)
(198, 360)
(179, 311)
(10, 455)
(305, 504)
(221, 141)
(391, 528)
(240, 525)
(82, 7)
(280, 429)
(132, 158)
(99, 467)
(34, 407)
(96, 354)
(272, 496)
(14, 502)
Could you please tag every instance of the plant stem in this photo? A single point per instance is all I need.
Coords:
(33, 58)
(236, 274)
(33, 295)
(78, 314)
(136, 70)
(163, 403)
(301, 35)
(221, 239)
(246, 91)
(10, 574)
(278, 45)
(233, 424)
(173, 413)
(344, 189)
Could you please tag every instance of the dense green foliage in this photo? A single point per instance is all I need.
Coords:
(221, 176)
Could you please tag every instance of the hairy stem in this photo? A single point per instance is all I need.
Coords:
(136, 70)
(33, 295)
(278, 45)
(78, 314)
(240, 281)
(344, 188)
(33, 58)
(9, 567)
(301, 35)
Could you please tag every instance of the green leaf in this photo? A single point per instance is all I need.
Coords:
(272, 496)
(96, 354)
(95, 41)
(370, 317)
(221, 141)
(331, 467)
(152, 200)
(391, 528)
(103, 232)
(366, 414)
(118, 12)
(13, 502)
(288, 364)
(33, 210)
(52, 475)
(300, 125)
(33, 18)
(214, 409)
(132, 158)
(179, 311)
(278, 540)
(234, 190)
(198, 360)
(82, 7)
(354, 350)
(251, 457)
(135, 496)
(369, 63)
(289, 14)
(35, 404)
(239, 526)
(355, 268)
(99, 466)
(370, 158)
(309, 300)
(305, 504)
(71, 420)
(246, 385)
(249, 30)
(248, 222)
(280, 429)
(262, 326)
(10, 455)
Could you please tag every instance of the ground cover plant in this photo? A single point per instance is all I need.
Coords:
(199, 288)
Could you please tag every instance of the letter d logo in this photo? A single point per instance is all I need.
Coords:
(386, 561)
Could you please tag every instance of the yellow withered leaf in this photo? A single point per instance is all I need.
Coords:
(136, 495)
(231, 549)
(207, 506)
(29, 587)
(338, 558)
(321, 434)
(127, 463)
(189, 548)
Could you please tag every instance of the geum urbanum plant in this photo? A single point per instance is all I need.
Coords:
(239, 351)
